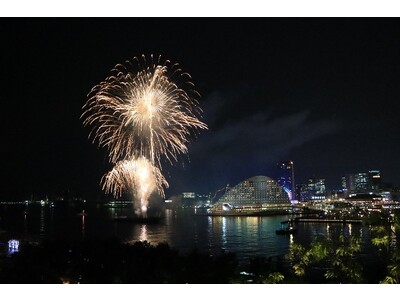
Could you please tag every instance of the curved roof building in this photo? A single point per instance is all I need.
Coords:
(256, 191)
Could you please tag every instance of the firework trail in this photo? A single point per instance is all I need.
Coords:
(138, 176)
(146, 111)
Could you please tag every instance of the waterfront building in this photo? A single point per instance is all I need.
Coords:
(313, 190)
(363, 182)
(286, 177)
(188, 199)
(257, 191)
(368, 200)
(192, 199)
(344, 186)
(301, 192)
(316, 189)
(356, 183)
(336, 194)
(349, 183)
(375, 180)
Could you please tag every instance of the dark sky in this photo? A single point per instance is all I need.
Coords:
(321, 92)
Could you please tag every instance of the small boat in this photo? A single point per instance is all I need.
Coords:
(288, 229)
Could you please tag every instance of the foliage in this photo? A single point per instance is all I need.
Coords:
(261, 270)
(385, 239)
(334, 258)
(275, 277)
(393, 268)
(113, 262)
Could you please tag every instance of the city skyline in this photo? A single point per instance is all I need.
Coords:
(195, 150)
(320, 92)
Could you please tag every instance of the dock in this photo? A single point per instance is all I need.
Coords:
(315, 220)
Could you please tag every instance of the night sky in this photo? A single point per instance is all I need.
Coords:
(321, 92)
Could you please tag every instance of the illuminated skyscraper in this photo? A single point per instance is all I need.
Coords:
(362, 182)
(349, 183)
(313, 190)
(316, 188)
(375, 180)
(286, 178)
(301, 192)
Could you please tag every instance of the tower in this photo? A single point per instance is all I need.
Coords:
(286, 177)
(375, 180)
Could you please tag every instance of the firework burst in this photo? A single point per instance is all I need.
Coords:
(138, 176)
(146, 111)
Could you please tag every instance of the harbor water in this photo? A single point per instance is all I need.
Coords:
(182, 229)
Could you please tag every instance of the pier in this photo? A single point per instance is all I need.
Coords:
(315, 220)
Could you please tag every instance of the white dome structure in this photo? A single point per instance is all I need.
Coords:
(256, 191)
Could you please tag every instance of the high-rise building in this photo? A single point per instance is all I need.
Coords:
(316, 188)
(286, 178)
(313, 190)
(345, 189)
(375, 180)
(362, 182)
(349, 183)
(344, 183)
(301, 192)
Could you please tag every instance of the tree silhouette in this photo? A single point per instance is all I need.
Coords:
(334, 259)
(385, 231)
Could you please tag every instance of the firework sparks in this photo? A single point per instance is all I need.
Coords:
(138, 176)
(143, 112)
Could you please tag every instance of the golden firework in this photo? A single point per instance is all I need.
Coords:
(138, 176)
(146, 111)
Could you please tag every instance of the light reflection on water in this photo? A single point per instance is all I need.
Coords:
(245, 236)
(143, 233)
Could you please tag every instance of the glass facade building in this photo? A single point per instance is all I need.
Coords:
(256, 191)
(286, 178)
(316, 188)
(362, 182)
(375, 180)
(313, 190)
